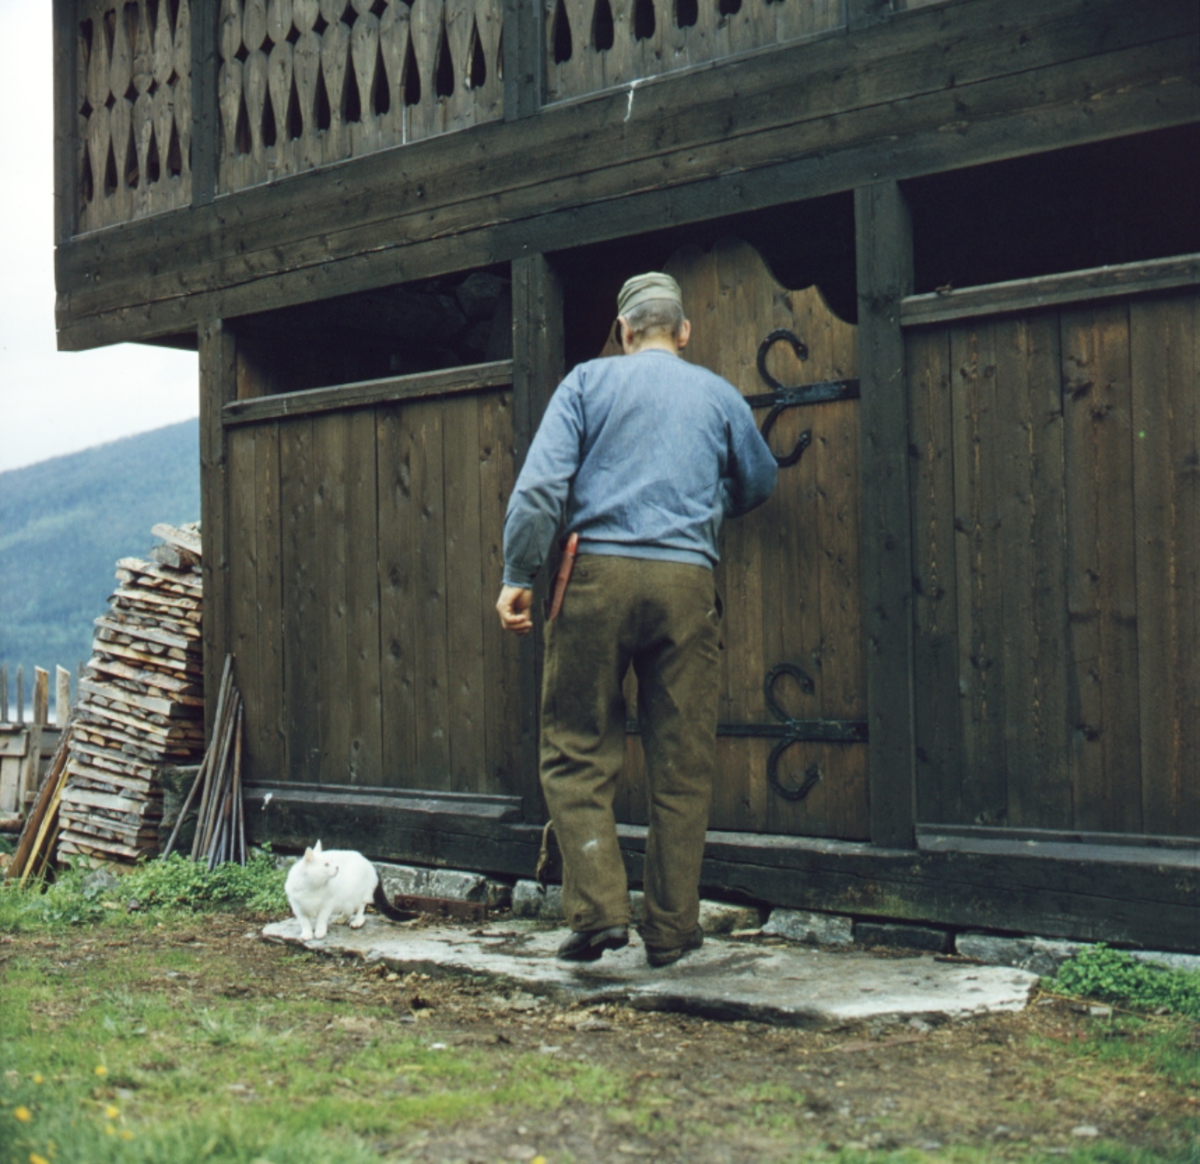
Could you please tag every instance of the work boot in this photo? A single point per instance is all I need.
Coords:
(588, 945)
(659, 956)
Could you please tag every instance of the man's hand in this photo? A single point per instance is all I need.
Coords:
(515, 606)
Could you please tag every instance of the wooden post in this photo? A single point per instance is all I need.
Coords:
(41, 696)
(66, 119)
(20, 693)
(884, 260)
(538, 366)
(524, 58)
(62, 696)
(218, 386)
(3, 693)
(204, 101)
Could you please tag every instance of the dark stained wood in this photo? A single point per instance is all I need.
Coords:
(302, 612)
(865, 13)
(524, 59)
(467, 688)
(938, 746)
(995, 107)
(67, 123)
(243, 581)
(204, 101)
(432, 671)
(369, 393)
(1028, 494)
(1101, 573)
(265, 727)
(331, 460)
(1088, 892)
(363, 699)
(884, 263)
(218, 385)
(1165, 374)
(501, 651)
(538, 367)
(1023, 295)
(981, 611)
(398, 528)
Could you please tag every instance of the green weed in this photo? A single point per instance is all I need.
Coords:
(171, 885)
(1112, 975)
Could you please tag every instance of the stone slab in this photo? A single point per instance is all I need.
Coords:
(788, 985)
(802, 925)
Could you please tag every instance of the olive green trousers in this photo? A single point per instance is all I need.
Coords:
(661, 618)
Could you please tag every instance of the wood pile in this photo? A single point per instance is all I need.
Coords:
(140, 703)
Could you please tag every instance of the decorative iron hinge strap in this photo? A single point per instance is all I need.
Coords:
(797, 396)
(789, 731)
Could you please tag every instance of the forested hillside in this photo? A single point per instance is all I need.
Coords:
(63, 525)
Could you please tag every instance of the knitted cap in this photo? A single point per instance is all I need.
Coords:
(642, 288)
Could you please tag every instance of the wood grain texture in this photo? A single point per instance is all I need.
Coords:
(1022, 295)
(981, 615)
(788, 572)
(397, 595)
(364, 705)
(218, 385)
(369, 393)
(538, 367)
(302, 613)
(1031, 516)
(1101, 574)
(938, 740)
(592, 156)
(1165, 373)
(884, 263)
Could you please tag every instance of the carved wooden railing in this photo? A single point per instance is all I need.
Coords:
(306, 82)
(133, 109)
(172, 102)
(598, 44)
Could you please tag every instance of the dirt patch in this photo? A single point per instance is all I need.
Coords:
(695, 1089)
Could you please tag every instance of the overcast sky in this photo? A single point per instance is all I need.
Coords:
(55, 402)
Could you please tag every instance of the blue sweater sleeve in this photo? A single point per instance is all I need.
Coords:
(538, 502)
(752, 466)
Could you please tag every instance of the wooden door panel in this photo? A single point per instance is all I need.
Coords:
(789, 572)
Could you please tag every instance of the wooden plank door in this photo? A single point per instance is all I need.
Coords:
(792, 730)
(365, 556)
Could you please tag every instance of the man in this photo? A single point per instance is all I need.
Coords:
(641, 455)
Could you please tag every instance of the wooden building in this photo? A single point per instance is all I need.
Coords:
(950, 249)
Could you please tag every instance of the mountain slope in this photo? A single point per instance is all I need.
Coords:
(63, 525)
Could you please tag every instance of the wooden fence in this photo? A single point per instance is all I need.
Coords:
(25, 745)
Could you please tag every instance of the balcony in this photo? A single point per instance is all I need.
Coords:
(177, 102)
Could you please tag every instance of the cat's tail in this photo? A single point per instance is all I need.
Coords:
(386, 908)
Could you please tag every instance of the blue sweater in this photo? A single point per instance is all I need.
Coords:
(642, 456)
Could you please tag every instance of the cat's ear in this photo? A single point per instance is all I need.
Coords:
(308, 854)
(317, 848)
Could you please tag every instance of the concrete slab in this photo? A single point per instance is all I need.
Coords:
(728, 978)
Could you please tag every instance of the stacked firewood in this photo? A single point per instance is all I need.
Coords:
(140, 705)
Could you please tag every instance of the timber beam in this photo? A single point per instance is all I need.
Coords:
(925, 91)
(1085, 891)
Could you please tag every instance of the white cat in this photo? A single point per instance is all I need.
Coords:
(322, 886)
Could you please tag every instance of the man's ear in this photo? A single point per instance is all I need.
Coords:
(685, 334)
(623, 333)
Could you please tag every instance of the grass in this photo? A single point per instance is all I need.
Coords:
(115, 1047)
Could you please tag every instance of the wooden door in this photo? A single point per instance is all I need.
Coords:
(365, 556)
(792, 730)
